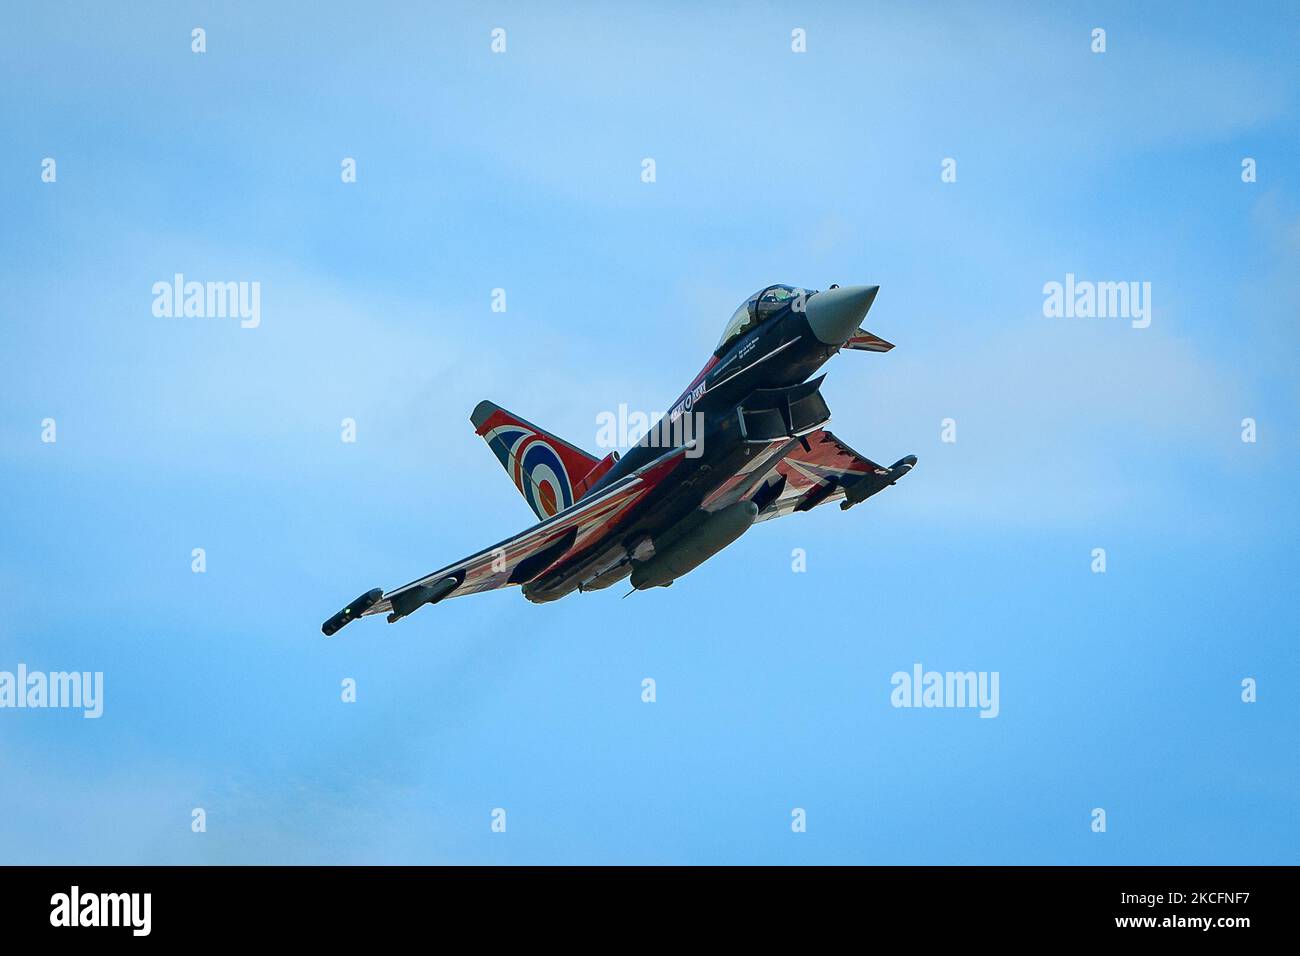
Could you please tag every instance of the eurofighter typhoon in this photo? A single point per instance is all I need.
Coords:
(743, 443)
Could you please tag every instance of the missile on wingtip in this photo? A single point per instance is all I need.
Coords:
(873, 484)
(353, 610)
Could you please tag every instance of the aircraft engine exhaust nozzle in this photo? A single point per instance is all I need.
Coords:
(706, 536)
(834, 315)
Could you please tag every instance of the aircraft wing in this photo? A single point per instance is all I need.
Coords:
(800, 474)
(517, 559)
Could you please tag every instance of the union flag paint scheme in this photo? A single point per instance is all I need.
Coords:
(757, 450)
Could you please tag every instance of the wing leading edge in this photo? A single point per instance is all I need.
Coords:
(517, 559)
(799, 475)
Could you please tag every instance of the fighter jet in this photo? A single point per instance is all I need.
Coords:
(743, 443)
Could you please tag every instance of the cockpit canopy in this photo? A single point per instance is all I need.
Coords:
(755, 310)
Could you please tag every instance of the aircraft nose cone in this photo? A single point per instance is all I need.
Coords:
(835, 314)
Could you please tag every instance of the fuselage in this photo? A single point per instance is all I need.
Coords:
(773, 341)
(781, 351)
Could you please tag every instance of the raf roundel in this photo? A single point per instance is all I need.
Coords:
(540, 474)
(543, 467)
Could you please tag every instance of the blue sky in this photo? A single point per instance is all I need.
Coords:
(522, 171)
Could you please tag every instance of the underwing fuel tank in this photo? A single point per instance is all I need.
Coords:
(700, 537)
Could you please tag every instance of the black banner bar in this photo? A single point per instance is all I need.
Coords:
(329, 905)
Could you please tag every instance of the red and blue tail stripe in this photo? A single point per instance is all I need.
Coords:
(544, 467)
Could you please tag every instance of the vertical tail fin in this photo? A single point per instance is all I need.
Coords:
(546, 469)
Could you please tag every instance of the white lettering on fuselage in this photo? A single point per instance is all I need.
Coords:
(688, 401)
